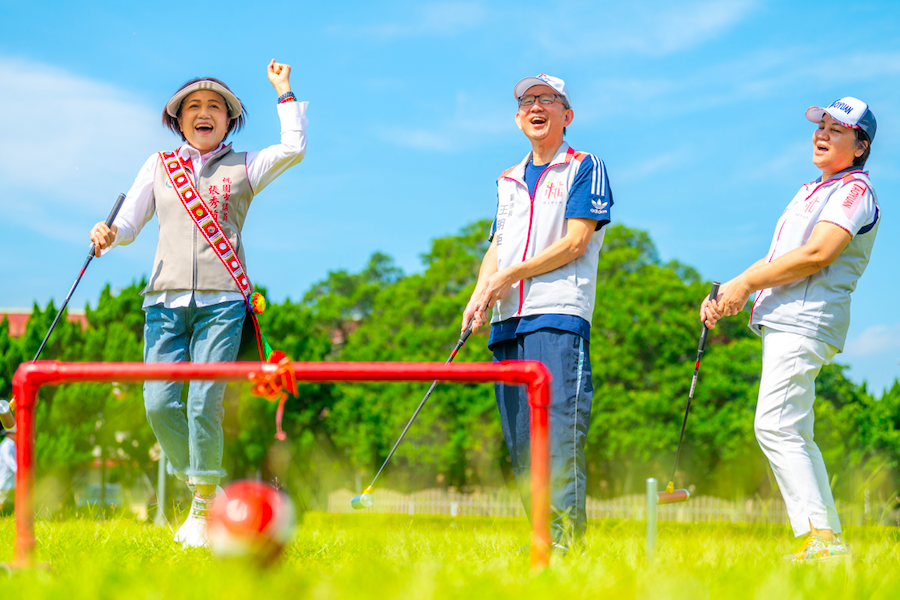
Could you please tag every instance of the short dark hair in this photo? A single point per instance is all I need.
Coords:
(234, 124)
(862, 136)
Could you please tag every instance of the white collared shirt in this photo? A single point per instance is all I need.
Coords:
(263, 166)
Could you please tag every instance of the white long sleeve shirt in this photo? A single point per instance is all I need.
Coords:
(263, 166)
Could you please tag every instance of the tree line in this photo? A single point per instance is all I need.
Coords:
(643, 345)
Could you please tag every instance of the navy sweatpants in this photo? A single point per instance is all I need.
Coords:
(567, 357)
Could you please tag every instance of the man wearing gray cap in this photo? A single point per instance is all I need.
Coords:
(539, 279)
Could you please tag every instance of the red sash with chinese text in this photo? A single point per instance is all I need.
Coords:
(206, 222)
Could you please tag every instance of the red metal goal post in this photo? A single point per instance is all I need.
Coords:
(31, 376)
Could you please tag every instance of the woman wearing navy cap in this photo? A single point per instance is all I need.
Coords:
(199, 293)
(821, 247)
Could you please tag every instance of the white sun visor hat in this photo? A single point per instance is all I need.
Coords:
(849, 112)
(234, 105)
(554, 82)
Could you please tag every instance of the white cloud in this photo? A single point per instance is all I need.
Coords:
(470, 123)
(62, 153)
(436, 19)
(636, 172)
(742, 82)
(786, 163)
(875, 340)
(860, 66)
(418, 139)
(571, 27)
(655, 29)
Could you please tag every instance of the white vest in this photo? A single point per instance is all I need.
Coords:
(818, 306)
(525, 228)
(184, 259)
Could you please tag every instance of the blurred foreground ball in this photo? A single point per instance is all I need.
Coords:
(256, 522)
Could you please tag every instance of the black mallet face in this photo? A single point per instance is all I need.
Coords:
(673, 496)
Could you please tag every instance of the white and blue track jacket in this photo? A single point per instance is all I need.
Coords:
(526, 226)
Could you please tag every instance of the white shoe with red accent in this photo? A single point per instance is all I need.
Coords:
(193, 532)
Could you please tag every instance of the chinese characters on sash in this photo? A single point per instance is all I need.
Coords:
(219, 197)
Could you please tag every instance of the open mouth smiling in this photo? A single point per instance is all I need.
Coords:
(204, 128)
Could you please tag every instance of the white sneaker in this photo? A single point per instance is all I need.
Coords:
(193, 532)
(815, 549)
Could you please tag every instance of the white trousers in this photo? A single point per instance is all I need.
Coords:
(784, 427)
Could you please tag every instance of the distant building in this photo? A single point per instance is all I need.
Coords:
(18, 319)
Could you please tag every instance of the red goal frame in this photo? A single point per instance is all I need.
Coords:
(30, 377)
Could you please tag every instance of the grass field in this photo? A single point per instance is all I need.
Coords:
(371, 556)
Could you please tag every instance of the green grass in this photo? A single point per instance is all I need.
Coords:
(370, 556)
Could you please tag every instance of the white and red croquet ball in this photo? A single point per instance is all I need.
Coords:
(253, 521)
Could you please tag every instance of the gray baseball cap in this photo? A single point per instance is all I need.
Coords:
(543, 79)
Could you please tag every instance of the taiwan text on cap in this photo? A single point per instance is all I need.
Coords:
(849, 112)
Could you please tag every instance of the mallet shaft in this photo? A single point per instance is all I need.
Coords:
(462, 341)
(90, 256)
(687, 408)
(109, 221)
(652, 501)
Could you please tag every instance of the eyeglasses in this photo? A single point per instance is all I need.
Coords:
(529, 100)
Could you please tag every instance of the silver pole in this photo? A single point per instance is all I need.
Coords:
(160, 518)
(652, 499)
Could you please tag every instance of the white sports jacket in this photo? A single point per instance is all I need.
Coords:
(527, 226)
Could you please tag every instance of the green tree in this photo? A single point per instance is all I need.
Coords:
(342, 299)
(643, 347)
(11, 356)
(75, 420)
(250, 421)
(417, 318)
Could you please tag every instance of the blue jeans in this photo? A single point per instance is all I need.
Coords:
(567, 357)
(192, 439)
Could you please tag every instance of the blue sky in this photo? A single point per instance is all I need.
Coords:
(697, 110)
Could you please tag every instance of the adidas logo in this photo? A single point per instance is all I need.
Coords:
(599, 207)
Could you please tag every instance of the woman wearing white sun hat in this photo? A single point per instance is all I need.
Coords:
(198, 295)
(821, 247)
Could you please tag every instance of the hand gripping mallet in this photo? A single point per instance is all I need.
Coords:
(6, 417)
(365, 500)
(671, 495)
